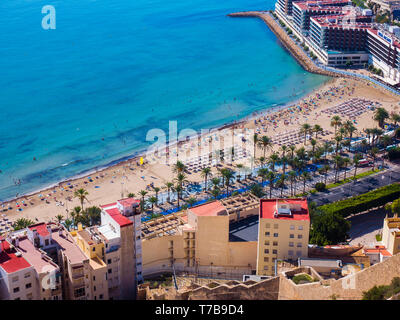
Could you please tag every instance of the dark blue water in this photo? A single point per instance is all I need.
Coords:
(86, 93)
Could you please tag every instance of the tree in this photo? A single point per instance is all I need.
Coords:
(265, 143)
(68, 224)
(317, 129)
(257, 190)
(228, 175)
(255, 141)
(305, 129)
(395, 118)
(336, 121)
(292, 178)
(131, 195)
(394, 207)
(356, 159)
(273, 159)
(205, 173)
(179, 167)
(262, 173)
(305, 176)
(191, 201)
(215, 192)
(22, 223)
(350, 129)
(156, 190)
(94, 215)
(381, 115)
(81, 195)
(168, 185)
(75, 214)
(328, 228)
(142, 203)
(153, 201)
(271, 177)
(59, 218)
(374, 151)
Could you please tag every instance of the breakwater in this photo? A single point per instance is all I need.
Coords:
(287, 42)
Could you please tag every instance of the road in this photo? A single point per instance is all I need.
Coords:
(358, 187)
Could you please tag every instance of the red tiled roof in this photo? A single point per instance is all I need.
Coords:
(9, 261)
(208, 209)
(118, 217)
(40, 228)
(268, 208)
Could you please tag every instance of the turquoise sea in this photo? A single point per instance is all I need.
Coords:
(85, 94)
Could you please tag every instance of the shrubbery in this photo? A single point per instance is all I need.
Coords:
(394, 153)
(366, 201)
(320, 186)
(383, 292)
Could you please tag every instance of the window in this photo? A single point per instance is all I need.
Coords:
(27, 275)
(266, 243)
(109, 270)
(46, 242)
(275, 235)
(28, 285)
(266, 268)
(267, 234)
(299, 236)
(94, 249)
(15, 279)
(275, 251)
(267, 225)
(300, 227)
(108, 261)
(275, 243)
(273, 260)
(291, 236)
(101, 297)
(266, 251)
(291, 244)
(16, 289)
(266, 259)
(298, 253)
(290, 252)
(299, 245)
(94, 288)
(276, 226)
(292, 227)
(94, 278)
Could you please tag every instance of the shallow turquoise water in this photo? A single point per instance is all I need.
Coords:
(86, 94)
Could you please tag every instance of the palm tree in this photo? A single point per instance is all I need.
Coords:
(273, 159)
(338, 140)
(169, 186)
(381, 115)
(305, 129)
(68, 223)
(191, 201)
(228, 175)
(395, 118)
(292, 149)
(216, 182)
(281, 182)
(142, 203)
(261, 161)
(81, 195)
(374, 151)
(22, 223)
(356, 159)
(181, 179)
(178, 189)
(59, 218)
(313, 144)
(350, 129)
(179, 167)
(153, 201)
(326, 168)
(265, 143)
(205, 172)
(76, 214)
(262, 173)
(305, 176)
(284, 149)
(240, 167)
(131, 195)
(271, 177)
(215, 192)
(292, 177)
(335, 122)
(317, 129)
(326, 148)
(255, 141)
(156, 190)
(346, 162)
(338, 162)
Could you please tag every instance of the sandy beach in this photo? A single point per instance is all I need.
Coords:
(115, 182)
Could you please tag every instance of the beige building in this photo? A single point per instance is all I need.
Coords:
(391, 234)
(218, 239)
(283, 232)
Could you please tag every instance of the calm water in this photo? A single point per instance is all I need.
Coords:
(85, 94)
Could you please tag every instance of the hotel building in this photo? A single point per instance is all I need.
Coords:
(283, 232)
(217, 239)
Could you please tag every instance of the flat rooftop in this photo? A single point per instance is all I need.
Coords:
(9, 261)
(69, 247)
(299, 211)
(210, 209)
(34, 256)
(244, 230)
